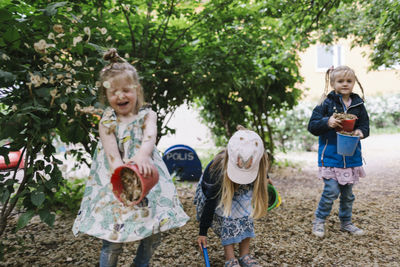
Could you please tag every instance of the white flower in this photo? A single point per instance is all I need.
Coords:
(14, 108)
(108, 38)
(97, 84)
(87, 30)
(126, 7)
(78, 63)
(63, 106)
(51, 36)
(44, 80)
(53, 92)
(36, 80)
(58, 28)
(126, 55)
(103, 30)
(69, 9)
(47, 59)
(76, 40)
(40, 46)
(68, 90)
(107, 84)
(5, 57)
(58, 66)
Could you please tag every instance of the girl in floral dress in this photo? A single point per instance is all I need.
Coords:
(127, 134)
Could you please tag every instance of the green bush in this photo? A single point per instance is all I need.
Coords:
(68, 197)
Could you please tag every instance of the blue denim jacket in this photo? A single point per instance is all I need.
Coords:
(318, 125)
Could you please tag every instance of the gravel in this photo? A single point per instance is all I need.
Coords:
(283, 236)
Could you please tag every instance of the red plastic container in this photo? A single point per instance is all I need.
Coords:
(348, 125)
(147, 182)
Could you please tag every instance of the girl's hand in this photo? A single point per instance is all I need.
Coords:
(359, 133)
(144, 164)
(333, 123)
(202, 241)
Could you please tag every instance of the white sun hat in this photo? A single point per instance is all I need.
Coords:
(245, 150)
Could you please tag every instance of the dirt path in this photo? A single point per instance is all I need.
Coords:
(283, 236)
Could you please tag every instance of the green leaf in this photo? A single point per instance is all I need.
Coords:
(47, 217)
(5, 194)
(4, 153)
(24, 219)
(7, 77)
(51, 9)
(37, 198)
(98, 48)
(4, 15)
(11, 35)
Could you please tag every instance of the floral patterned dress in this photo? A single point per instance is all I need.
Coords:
(102, 215)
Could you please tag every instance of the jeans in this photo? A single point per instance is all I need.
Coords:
(110, 252)
(332, 190)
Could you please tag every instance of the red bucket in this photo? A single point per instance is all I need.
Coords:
(146, 182)
(348, 125)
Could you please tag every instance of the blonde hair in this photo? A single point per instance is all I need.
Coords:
(259, 200)
(332, 73)
(118, 66)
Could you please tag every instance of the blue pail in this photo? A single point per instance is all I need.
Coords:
(346, 144)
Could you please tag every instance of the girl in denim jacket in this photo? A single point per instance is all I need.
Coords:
(338, 172)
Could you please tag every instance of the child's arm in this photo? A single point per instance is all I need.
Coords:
(320, 123)
(110, 146)
(363, 124)
(143, 157)
(211, 185)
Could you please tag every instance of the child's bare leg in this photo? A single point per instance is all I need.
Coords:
(229, 252)
(244, 247)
